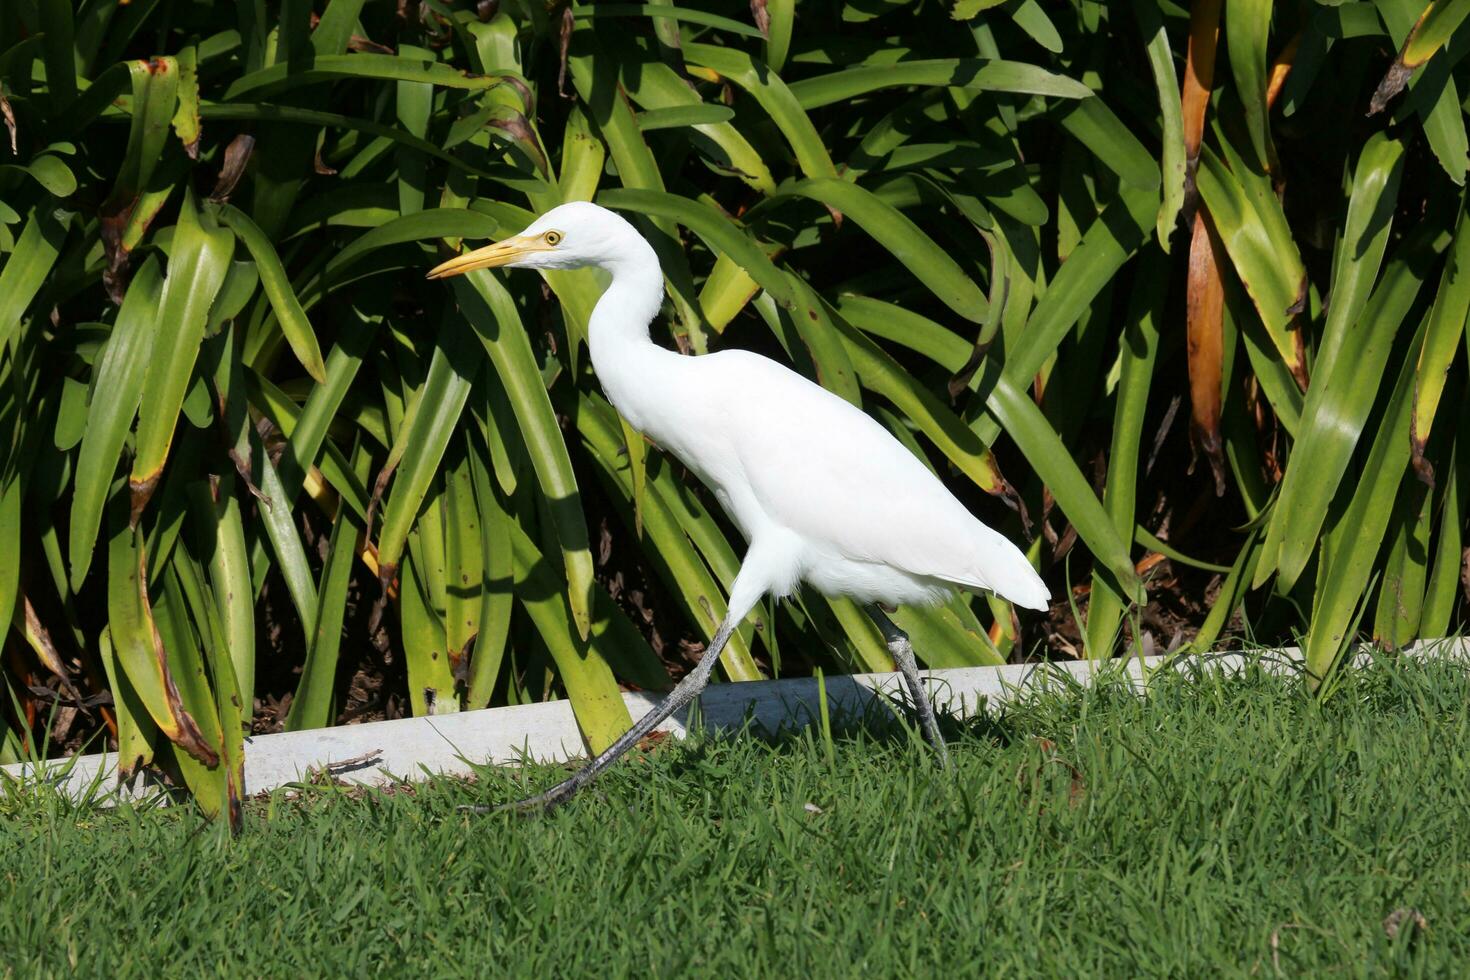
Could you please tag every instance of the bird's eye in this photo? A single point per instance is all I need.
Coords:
(552, 237)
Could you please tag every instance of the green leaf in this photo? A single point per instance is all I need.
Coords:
(312, 705)
(71, 414)
(1432, 31)
(1338, 407)
(11, 492)
(334, 31)
(589, 683)
(267, 113)
(300, 425)
(155, 86)
(1434, 97)
(1097, 128)
(1172, 162)
(782, 14)
(724, 236)
(219, 523)
(58, 42)
(496, 594)
(725, 292)
(1443, 588)
(1349, 567)
(135, 729)
(191, 653)
(196, 269)
(971, 74)
(1031, 18)
(687, 15)
(1405, 564)
(430, 678)
(945, 639)
(679, 117)
(903, 239)
(970, 9)
(326, 68)
(582, 158)
(49, 171)
(186, 118)
(1442, 339)
(420, 226)
(492, 314)
(1362, 242)
(415, 104)
(27, 268)
(834, 370)
(419, 447)
(307, 430)
(464, 556)
(118, 388)
(277, 286)
(1106, 245)
(1262, 252)
(1248, 27)
(137, 642)
(1232, 593)
(276, 514)
(779, 102)
(1046, 453)
(1139, 354)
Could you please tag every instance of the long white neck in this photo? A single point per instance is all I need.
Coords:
(631, 301)
(617, 333)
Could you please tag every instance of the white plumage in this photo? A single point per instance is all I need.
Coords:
(822, 492)
(855, 512)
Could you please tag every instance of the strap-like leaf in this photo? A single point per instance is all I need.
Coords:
(27, 268)
(489, 309)
(973, 74)
(273, 279)
(117, 391)
(196, 269)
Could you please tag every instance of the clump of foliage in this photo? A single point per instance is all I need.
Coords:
(245, 448)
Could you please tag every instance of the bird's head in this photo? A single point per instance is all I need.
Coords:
(569, 236)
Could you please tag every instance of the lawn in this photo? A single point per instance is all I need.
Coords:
(1226, 826)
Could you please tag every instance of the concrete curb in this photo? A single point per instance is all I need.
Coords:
(384, 752)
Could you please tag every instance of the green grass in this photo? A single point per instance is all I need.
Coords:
(1231, 826)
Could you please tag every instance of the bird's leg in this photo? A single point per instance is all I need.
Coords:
(684, 692)
(903, 655)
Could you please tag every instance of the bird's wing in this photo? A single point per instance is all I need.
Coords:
(824, 468)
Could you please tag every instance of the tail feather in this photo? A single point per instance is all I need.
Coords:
(1005, 570)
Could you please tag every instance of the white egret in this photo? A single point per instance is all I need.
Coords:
(821, 491)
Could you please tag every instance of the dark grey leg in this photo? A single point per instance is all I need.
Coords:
(684, 692)
(903, 656)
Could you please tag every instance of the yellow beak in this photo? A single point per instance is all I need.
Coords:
(489, 257)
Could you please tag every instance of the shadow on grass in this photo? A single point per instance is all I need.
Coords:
(861, 722)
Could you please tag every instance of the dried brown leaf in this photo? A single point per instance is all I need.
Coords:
(1205, 326)
(568, 24)
(9, 115)
(761, 16)
(237, 155)
(1199, 79)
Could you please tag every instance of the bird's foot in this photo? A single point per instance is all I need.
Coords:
(540, 803)
(942, 757)
(478, 810)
